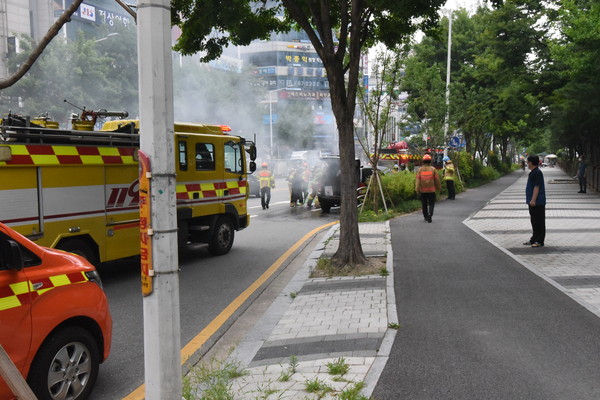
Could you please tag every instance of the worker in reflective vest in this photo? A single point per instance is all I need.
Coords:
(449, 177)
(427, 183)
(267, 182)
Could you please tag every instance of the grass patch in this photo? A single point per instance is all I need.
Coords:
(338, 367)
(211, 381)
(325, 269)
(317, 386)
(353, 393)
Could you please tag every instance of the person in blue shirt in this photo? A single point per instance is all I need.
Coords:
(535, 196)
(582, 175)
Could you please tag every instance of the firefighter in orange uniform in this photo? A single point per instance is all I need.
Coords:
(267, 182)
(427, 183)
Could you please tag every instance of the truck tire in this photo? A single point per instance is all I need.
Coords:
(81, 248)
(66, 365)
(222, 238)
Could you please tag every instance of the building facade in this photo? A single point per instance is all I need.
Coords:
(34, 17)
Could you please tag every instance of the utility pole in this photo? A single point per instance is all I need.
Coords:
(447, 119)
(162, 342)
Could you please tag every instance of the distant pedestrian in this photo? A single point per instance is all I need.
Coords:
(582, 175)
(427, 183)
(449, 177)
(535, 196)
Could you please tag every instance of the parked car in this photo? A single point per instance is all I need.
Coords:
(55, 323)
(253, 186)
(329, 191)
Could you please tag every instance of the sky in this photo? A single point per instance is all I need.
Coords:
(456, 4)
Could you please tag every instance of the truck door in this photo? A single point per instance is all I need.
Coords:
(235, 176)
(121, 204)
(15, 311)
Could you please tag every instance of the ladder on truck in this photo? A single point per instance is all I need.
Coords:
(31, 133)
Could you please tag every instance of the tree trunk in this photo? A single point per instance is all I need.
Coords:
(350, 250)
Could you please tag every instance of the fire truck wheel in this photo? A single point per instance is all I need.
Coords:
(222, 239)
(66, 365)
(81, 248)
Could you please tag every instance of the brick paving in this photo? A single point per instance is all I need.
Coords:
(570, 258)
(329, 320)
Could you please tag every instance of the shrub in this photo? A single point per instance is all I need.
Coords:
(465, 165)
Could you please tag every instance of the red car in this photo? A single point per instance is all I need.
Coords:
(55, 323)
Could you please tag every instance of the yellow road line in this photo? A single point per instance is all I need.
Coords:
(197, 342)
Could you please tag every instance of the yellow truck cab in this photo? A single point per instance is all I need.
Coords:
(78, 190)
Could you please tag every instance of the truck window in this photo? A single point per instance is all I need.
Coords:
(233, 158)
(205, 157)
(183, 155)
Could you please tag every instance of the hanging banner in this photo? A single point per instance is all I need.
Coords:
(145, 224)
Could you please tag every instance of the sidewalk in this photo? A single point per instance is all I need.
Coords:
(314, 323)
(321, 321)
(570, 259)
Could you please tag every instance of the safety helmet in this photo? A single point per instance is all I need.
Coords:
(426, 157)
(264, 165)
(446, 158)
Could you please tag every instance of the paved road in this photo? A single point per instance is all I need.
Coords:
(207, 286)
(480, 321)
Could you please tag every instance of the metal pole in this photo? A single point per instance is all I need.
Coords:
(447, 119)
(162, 342)
(271, 123)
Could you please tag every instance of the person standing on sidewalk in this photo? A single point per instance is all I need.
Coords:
(427, 183)
(449, 177)
(582, 175)
(267, 182)
(535, 196)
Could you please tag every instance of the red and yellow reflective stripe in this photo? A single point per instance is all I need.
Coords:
(41, 154)
(210, 190)
(18, 294)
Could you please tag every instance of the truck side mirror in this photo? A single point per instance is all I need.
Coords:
(252, 151)
(252, 166)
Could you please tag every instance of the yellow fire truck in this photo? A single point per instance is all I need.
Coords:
(78, 190)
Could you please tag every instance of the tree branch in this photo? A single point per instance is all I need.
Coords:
(52, 32)
(128, 9)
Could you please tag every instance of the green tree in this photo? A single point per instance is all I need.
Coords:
(377, 105)
(495, 70)
(339, 31)
(95, 75)
(575, 102)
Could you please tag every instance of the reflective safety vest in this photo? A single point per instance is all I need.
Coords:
(449, 172)
(427, 180)
(266, 178)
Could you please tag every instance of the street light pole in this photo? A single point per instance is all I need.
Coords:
(447, 119)
(271, 115)
(271, 123)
